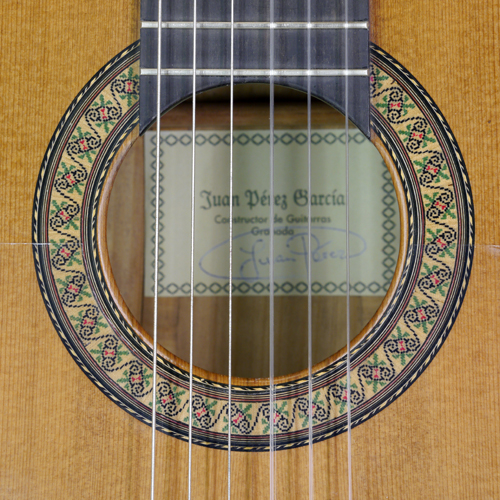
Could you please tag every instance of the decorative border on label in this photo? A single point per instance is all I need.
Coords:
(384, 363)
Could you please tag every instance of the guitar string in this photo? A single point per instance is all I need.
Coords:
(309, 261)
(271, 250)
(191, 307)
(348, 267)
(272, 462)
(230, 319)
(157, 230)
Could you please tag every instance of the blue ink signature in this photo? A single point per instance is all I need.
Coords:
(326, 243)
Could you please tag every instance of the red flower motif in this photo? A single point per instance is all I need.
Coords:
(64, 215)
(70, 178)
(441, 243)
(421, 314)
(434, 279)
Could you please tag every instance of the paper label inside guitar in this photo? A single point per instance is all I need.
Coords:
(374, 218)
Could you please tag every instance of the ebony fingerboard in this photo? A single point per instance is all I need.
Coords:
(252, 51)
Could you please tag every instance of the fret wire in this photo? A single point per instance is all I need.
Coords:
(231, 147)
(256, 72)
(191, 308)
(157, 237)
(361, 25)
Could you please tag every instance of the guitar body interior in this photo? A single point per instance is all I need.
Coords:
(61, 437)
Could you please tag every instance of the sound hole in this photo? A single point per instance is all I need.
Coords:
(374, 231)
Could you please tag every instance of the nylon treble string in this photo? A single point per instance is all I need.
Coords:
(230, 332)
(272, 443)
(191, 307)
(309, 260)
(348, 270)
(156, 251)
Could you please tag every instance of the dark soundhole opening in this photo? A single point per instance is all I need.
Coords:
(374, 226)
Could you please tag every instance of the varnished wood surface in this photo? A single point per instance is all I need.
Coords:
(250, 352)
(125, 226)
(60, 438)
(250, 115)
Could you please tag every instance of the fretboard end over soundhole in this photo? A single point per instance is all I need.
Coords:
(338, 67)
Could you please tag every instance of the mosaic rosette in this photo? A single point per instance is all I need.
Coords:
(384, 364)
